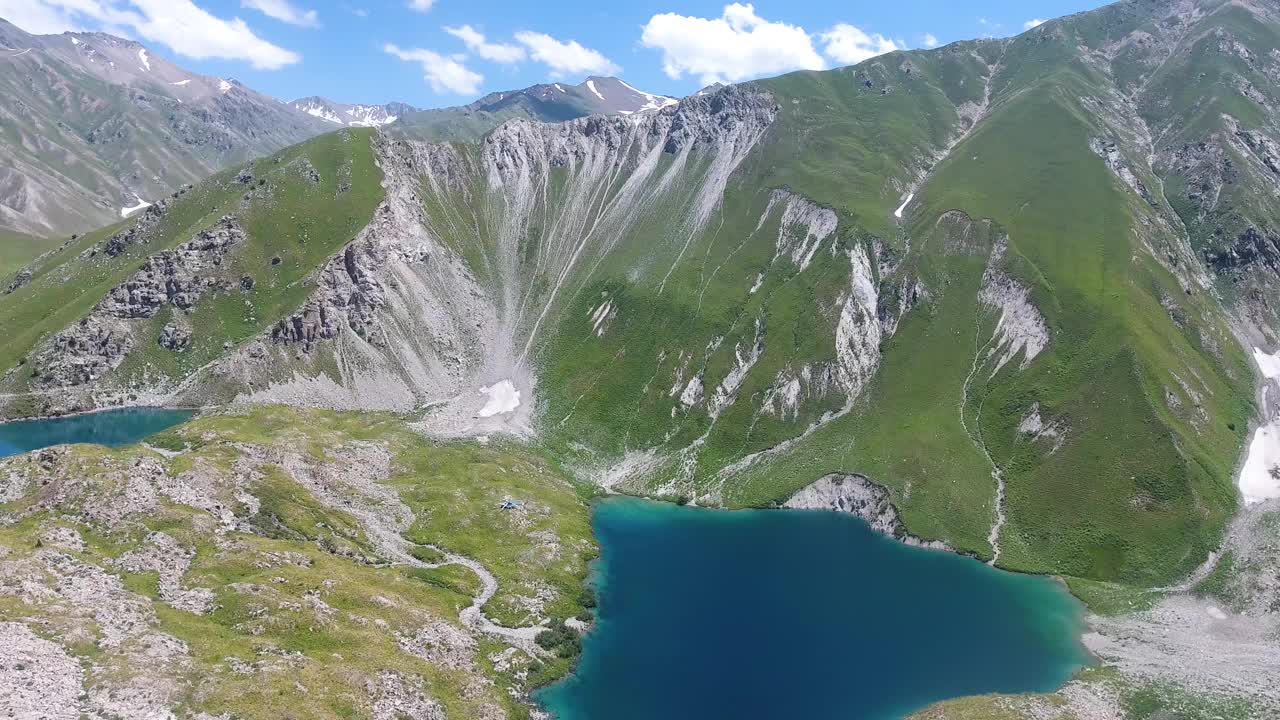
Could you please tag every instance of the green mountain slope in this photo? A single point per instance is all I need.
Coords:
(970, 274)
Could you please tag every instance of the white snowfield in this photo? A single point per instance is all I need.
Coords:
(898, 213)
(503, 399)
(127, 211)
(223, 86)
(180, 83)
(652, 102)
(1260, 476)
(1268, 364)
(142, 57)
(1259, 479)
(592, 87)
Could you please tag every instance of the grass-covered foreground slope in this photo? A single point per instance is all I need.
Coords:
(281, 563)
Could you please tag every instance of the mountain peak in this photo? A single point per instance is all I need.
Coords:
(351, 115)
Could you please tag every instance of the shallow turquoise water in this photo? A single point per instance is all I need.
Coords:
(808, 615)
(110, 427)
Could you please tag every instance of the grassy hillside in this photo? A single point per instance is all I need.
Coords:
(17, 249)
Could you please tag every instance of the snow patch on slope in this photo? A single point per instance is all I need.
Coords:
(652, 102)
(898, 213)
(592, 87)
(1260, 476)
(1268, 364)
(127, 211)
(142, 57)
(503, 399)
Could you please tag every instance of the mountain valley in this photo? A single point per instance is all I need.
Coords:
(1010, 298)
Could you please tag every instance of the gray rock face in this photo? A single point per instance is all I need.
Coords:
(349, 295)
(135, 233)
(86, 351)
(175, 277)
(857, 495)
(83, 352)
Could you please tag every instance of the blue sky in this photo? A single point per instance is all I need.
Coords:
(447, 52)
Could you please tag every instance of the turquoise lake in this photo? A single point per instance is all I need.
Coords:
(109, 427)
(793, 614)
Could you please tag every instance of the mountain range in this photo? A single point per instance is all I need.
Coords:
(1016, 298)
(98, 126)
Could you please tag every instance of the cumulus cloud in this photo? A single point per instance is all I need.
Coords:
(1033, 22)
(421, 5)
(180, 25)
(847, 44)
(565, 58)
(497, 52)
(735, 46)
(284, 11)
(443, 74)
(929, 40)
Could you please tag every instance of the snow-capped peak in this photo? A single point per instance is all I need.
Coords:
(349, 115)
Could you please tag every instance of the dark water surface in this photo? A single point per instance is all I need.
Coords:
(809, 615)
(109, 427)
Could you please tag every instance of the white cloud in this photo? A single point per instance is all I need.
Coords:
(443, 74)
(847, 44)
(735, 46)
(421, 5)
(929, 40)
(284, 11)
(476, 43)
(1034, 22)
(180, 25)
(565, 57)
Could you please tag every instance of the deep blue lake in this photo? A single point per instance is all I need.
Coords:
(793, 614)
(109, 427)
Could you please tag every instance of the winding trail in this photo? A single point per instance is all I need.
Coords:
(384, 518)
(473, 615)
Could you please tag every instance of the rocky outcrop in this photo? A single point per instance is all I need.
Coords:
(463, 269)
(83, 353)
(858, 495)
(1111, 154)
(1020, 327)
(349, 294)
(138, 232)
(1252, 250)
(175, 277)
(97, 344)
